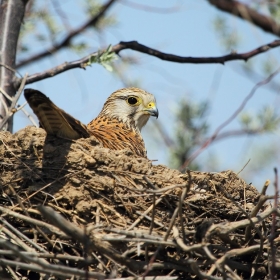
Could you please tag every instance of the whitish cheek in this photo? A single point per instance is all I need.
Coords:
(141, 121)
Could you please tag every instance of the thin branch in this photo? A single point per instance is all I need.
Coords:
(240, 132)
(8, 212)
(18, 241)
(226, 228)
(137, 234)
(236, 253)
(46, 186)
(14, 101)
(150, 219)
(48, 255)
(272, 236)
(78, 234)
(13, 273)
(175, 213)
(60, 12)
(133, 45)
(182, 245)
(138, 240)
(67, 40)
(243, 11)
(21, 108)
(221, 267)
(54, 269)
(164, 135)
(148, 210)
(149, 278)
(21, 235)
(230, 119)
(19, 200)
(150, 184)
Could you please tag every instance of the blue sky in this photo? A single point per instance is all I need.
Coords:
(187, 32)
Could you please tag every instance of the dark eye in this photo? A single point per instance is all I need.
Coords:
(132, 100)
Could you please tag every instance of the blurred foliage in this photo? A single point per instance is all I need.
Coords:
(92, 8)
(274, 9)
(265, 121)
(38, 17)
(190, 130)
(79, 48)
(51, 25)
(228, 36)
(268, 66)
(104, 58)
(46, 22)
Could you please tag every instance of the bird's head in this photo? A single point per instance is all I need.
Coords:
(132, 106)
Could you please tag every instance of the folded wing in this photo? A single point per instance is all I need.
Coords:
(53, 119)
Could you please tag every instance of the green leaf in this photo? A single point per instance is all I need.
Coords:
(104, 58)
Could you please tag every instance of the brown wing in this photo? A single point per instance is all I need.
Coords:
(115, 135)
(53, 119)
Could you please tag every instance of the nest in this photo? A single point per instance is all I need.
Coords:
(75, 210)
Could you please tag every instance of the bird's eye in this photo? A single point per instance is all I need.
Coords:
(132, 100)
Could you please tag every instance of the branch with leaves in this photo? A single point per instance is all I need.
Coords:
(105, 56)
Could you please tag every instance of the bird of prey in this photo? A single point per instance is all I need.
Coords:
(117, 126)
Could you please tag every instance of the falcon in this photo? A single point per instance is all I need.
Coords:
(118, 125)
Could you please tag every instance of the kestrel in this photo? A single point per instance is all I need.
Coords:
(117, 126)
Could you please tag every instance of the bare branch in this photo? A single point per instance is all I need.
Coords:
(262, 199)
(164, 135)
(240, 132)
(79, 234)
(134, 45)
(243, 11)
(41, 265)
(182, 245)
(226, 228)
(29, 220)
(20, 108)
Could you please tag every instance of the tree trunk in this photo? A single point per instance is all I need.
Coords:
(11, 15)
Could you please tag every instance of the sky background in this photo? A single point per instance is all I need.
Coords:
(187, 30)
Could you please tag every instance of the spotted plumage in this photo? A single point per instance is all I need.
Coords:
(117, 127)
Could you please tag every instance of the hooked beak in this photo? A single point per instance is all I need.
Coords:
(152, 110)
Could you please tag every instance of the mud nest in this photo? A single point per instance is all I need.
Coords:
(75, 210)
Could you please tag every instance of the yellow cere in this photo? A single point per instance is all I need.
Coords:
(151, 105)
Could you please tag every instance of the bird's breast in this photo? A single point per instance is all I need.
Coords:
(115, 135)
